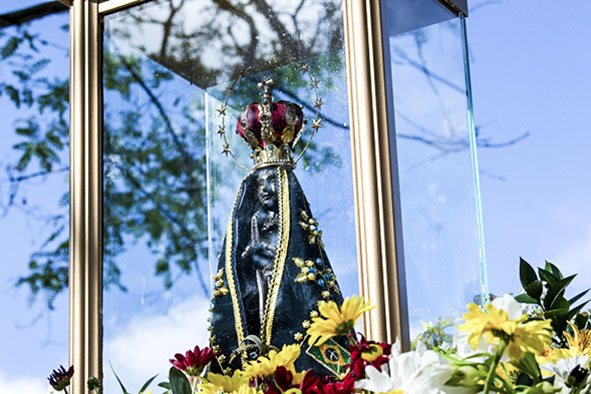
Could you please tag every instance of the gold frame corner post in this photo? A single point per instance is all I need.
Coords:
(379, 239)
(85, 277)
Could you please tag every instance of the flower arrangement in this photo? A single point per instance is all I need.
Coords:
(538, 342)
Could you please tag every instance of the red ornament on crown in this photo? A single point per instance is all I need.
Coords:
(271, 129)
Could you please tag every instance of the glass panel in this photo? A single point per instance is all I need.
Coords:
(534, 138)
(440, 203)
(34, 163)
(171, 80)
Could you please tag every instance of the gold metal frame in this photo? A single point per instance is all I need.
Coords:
(381, 268)
(85, 193)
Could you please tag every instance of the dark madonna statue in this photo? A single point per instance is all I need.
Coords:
(273, 270)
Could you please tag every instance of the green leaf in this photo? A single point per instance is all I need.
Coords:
(10, 47)
(118, 380)
(578, 297)
(573, 312)
(164, 385)
(556, 291)
(179, 382)
(554, 269)
(526, 273)
(13, 94)
(556, 314)
(548, 277)
(529, 365)
(534, 289)
(581, 321)
(145, 386)
(525, 299)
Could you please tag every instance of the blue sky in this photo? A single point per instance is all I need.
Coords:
(530, 73)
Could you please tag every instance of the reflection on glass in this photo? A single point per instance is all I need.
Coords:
(438, 180)
(34, 217)
(169, 190)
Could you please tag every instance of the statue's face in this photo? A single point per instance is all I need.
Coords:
(267, 191)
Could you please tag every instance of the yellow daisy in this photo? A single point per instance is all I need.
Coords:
(266, 365)
(214, 383)
(336, 321)
(579, 344)
(494, 324)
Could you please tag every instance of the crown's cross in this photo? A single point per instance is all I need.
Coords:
(265, 84)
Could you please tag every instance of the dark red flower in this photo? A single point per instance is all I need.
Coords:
(60, 378)
(193, 362)
(366, 353)
(346, 386)
(284, 380)
(309, 383)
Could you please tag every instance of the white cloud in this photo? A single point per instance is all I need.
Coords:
(23, 385)
(143, 347)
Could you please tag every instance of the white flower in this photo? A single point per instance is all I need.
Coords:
(564, 366)
(509, 305)
(419, 371)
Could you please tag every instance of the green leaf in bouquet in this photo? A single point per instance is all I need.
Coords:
(529, 366)
(534, 289)
(557, 314)
(548, 277)
(148, 382)
(575, 311)
(118, 380)
(581, 321)
(560, 303)
(179, 383)
(556, 291)
(526, 299)
(164, 385)
(542, 388)
(578, 297)
(553, 269)
(524, 379)
(526, 273)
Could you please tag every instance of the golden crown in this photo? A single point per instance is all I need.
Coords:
(271, 129)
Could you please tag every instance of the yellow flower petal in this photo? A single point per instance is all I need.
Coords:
(333, 320)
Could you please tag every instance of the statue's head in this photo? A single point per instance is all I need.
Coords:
(267, 188)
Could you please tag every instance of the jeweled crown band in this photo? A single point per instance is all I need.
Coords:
(272, 155)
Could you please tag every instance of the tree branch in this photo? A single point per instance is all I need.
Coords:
(17, 18)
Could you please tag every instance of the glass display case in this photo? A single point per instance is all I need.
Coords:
(436, 160)
(369, 108)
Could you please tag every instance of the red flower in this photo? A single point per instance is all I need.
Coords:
(60, 378)
(193, 362)
(284, 381)
(346, 386)
(368, 353)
